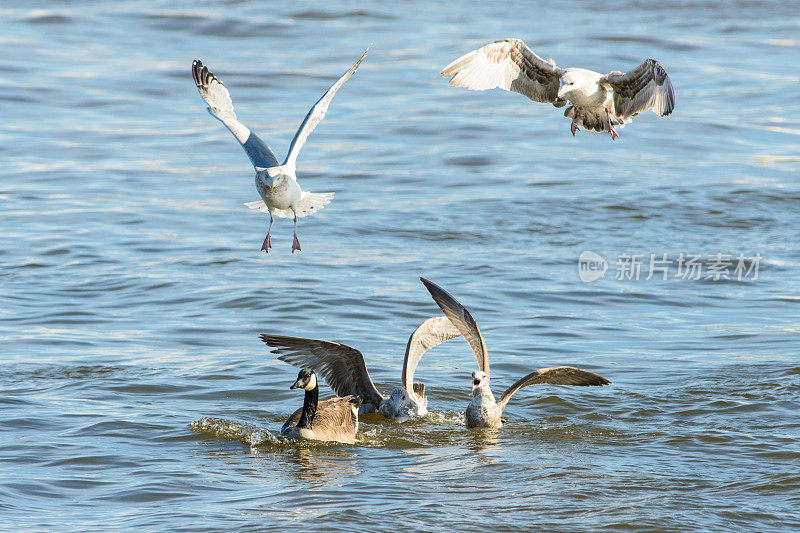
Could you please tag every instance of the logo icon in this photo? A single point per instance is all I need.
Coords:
(591, 266)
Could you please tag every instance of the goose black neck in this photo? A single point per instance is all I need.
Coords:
(309, 408)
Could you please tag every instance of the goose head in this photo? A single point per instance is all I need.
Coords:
(306, 380)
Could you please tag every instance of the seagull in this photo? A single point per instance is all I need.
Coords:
(276, 183)
(599, 101)
(484, 410)
(344, 369)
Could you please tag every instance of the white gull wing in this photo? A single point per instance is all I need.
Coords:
(429, 334)
(508, 64)
(341, 366)
(461, 319)
(645, 87)
(317, 113)
(557, 375)
(220, 106)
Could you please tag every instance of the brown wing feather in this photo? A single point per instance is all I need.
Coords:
(557, 375)
(646, 87)
(461, 319)
(341, 366)
(508, 64)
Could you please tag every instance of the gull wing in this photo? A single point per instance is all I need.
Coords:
(508, 64)
(645, 87)
(429, 334)
(317, 113)
(341, 366)
(220, 106)
(461, 319)
(557, 375)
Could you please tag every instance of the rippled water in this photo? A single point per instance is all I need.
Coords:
(135, 392)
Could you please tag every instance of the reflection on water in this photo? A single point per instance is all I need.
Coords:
(482, 439)
(321, 466)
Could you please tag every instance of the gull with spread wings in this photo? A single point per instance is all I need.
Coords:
(484, 410)
(276, 183)
(343, 367)
(599, 101)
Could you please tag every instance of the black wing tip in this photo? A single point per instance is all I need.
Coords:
(200, 73)
(273, 341)
(437, 293)
(598, 381)
(431, 286)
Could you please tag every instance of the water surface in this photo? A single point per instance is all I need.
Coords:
(135, 390)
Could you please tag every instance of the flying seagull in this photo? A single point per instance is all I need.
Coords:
(484, 410)
(276, 183)
(598, 101)
(344, 369)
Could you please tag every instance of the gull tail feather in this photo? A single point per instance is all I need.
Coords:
(309, 203)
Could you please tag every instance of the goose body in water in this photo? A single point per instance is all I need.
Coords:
(276, 183)
(334, 419)
(599, 101)
(484, 410)
(343, 367)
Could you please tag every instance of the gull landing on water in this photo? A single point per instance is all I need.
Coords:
(276, 183)
(599, 101)
(484, 410)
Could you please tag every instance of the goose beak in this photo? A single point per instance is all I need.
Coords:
(296, 385)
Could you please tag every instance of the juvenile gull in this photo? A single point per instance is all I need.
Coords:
(599, 101)
(483, 410)
(344, 369)
(276, 183)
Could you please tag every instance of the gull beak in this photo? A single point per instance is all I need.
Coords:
(561, 86)
(475, 384)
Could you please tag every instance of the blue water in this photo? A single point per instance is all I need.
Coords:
(135, 392)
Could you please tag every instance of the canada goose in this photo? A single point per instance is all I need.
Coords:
(343, 367)
(334, 419)
(483, 410)
(599, 101)
(276, 183)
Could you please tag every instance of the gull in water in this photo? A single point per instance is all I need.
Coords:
(484, 410)
(599, 101)
(276, 183)
(343, 367)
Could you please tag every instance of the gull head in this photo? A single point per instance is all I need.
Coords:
(572, 82)
(566, 86)
(403, 404)
(479, 380)
(277, 181)
(306, 380)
